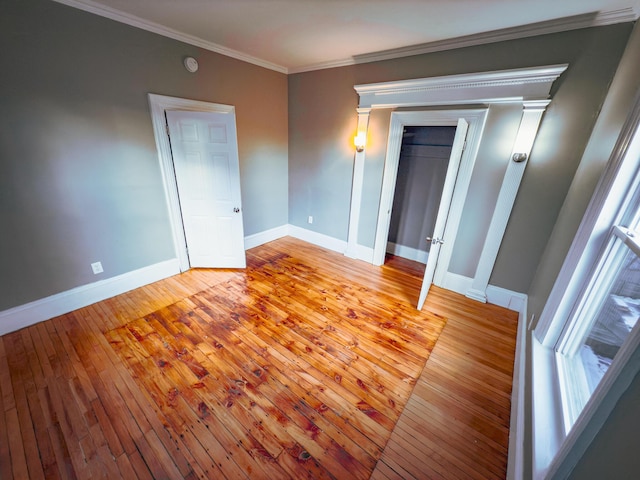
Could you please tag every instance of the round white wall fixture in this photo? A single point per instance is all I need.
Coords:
(191, 64)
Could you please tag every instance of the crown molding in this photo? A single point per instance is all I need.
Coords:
(564, 24)
(540, 28)
(134, 21)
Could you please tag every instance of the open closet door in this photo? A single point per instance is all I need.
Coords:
(436, 240)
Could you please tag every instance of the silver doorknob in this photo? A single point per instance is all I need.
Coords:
(236, 210)
(435, 241)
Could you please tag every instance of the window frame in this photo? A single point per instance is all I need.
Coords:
(574, 388)
(556, 447)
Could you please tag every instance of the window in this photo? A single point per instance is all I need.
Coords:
(584, 347)
(603, 320)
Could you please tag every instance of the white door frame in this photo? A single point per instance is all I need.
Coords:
(471, 89)
(158, 105)
(476, 120)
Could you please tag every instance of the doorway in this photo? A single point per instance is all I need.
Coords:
(224, 223)
(422, 170)
(468, 125)
(207, 171)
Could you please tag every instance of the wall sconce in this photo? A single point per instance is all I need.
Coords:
(360, 140)
(519, 157)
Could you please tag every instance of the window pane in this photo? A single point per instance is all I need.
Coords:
(618, 314)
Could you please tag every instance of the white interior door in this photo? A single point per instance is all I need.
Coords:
(437, 239)
(206, 164)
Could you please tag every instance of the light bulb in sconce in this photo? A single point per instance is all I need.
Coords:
(360, 140)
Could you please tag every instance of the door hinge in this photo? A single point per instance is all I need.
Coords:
(166, 127)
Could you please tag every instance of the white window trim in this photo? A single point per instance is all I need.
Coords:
(619, 376)
(593, 230)
(555, 451)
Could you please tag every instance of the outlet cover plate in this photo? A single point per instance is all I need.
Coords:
(97, 268)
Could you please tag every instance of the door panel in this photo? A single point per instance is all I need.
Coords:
(205, 157)
(443, 210)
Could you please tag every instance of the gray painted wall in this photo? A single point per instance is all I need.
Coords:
(321, 142)
(80, 180)
(613, 453)
(79, 175)
(422, 169)
(322, 121)
(624, 88)
(491, 165)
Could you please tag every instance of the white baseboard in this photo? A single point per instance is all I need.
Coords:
(318, 239)
(478, 295)
(364, 253)
(494, 295)
(359, 252)
(407, 252)
(261, 238)
(43, 309)
(515, 460)
(508, 299)
(456, 283)
(65, 302)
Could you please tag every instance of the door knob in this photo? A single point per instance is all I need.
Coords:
(236, 210)
(435, 241)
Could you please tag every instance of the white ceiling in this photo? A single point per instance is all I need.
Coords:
(299, 35)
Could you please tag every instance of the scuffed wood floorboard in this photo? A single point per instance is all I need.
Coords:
(305, 365)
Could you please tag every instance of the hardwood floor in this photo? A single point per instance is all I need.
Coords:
(305, 365)
(456, 423)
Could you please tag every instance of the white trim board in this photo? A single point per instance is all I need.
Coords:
(476, 120)
(526, 85)
(515, 458)
(357, 185)
(527, 132)
(319, 239)
(149, 26)
(43, 309)
(502, 297)
(65, 302)
(574, 22)
(407, 252)
(517, 302)
(260, 238)
(500, 86)
(158, 104)
(46, 308)
(557, 25)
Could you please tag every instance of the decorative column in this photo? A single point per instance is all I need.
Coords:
(531, 115)
(358, 180)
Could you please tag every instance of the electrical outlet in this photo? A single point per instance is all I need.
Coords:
(97, 268)
(310, 219)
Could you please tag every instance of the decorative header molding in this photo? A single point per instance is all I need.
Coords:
(524, 84)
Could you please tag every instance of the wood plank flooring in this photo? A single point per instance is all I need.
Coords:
(456, 422)
(305, 365)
